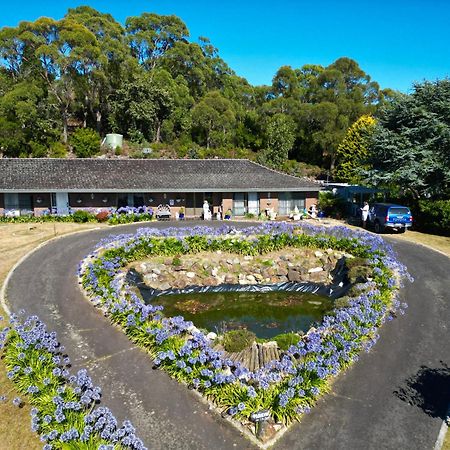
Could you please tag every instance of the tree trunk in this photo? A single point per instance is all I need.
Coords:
(98, 118)
(65, 131)
(158, 132)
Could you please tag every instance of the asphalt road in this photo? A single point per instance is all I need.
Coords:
(392, 398)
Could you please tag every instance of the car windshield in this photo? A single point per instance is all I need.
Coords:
(398, 211)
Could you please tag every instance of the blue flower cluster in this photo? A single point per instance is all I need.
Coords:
(65, 405)
(289, 386)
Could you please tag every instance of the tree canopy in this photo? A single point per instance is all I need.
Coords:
(150, 81)
(409, 152)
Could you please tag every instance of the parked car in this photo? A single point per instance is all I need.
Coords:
(384, 216)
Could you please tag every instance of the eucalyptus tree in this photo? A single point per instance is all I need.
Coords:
(213, 119)
(113, 63)
(151, 35)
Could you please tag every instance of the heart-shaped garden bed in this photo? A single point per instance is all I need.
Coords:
(282, 389)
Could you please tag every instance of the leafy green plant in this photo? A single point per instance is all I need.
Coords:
(238, 340)
(285, 340)
(82, 216)
(85, 142)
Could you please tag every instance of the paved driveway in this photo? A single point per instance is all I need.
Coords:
(388, 400)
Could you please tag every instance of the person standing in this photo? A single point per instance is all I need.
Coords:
(364, 214)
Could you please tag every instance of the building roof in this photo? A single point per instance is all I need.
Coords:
(144, 175)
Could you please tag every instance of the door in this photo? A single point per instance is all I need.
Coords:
(253, 203)
(62, 203)
(239, 204)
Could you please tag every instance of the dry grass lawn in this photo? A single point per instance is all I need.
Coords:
(16, 240)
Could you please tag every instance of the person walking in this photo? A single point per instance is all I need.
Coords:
(364, 214)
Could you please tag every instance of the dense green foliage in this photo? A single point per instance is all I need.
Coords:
(354, 150)
(149, 81)
(433, 216)
(238, 340)
(410, 147)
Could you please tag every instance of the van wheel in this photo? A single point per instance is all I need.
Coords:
(377, 227)
(402, 230)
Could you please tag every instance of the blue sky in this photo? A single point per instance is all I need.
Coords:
(396, 42)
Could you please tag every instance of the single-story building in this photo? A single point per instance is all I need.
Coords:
(37, 186)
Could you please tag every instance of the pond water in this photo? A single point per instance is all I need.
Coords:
(266, 314)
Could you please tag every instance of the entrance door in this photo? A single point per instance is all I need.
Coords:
(62, 203)
(253, 203)
(239, 204)
(194, 204)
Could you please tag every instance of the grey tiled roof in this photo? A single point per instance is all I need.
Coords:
(144, 175)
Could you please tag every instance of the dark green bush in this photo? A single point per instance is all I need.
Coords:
(433, 216)
(58, 150)
(236, 340)
(332, 205)
(85, 142)
(81, 216)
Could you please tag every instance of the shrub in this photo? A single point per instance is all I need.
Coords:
(176, 261)
(38, 150)
(285, 340)
(434, 216)
(359, 270)
(85, 142)
(58, 150)
(236, 340)
(81, 216)
(331, 204)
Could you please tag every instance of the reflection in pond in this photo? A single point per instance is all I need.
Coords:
(265, 314)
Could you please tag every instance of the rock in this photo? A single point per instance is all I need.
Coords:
(150, 277)
(258, 277)
(193, 329)
(236, 261)
(230, 262)
(211, 336)
(284, 258)
(318, 254)
(318, 277)
(214, 271)
(190, 274)
(265, 431)
(293, 276)
(210, 281)
(251, 278)
(230, 279)
(248, 257)
(282, 271)
(164, 286)
(156, 270)
(315, 269)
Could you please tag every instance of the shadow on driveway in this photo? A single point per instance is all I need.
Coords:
(429, 390)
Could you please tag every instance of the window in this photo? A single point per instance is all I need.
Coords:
(287, 201)
(245, 202)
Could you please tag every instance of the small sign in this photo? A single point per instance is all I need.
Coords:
(171, 202)
(259, 416)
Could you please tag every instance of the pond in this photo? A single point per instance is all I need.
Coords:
(266, 314)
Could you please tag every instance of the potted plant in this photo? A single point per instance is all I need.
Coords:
(228, 214)
(181, 213)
